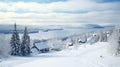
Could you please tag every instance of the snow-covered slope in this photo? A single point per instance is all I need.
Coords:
(86, 55)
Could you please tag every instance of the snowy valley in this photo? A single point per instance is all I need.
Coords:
(64, 46)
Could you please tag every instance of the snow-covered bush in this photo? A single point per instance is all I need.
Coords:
(4, 46)
(114, 41)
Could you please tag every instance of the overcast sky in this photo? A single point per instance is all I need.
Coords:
(59, 11)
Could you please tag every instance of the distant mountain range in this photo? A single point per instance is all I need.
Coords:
(97, 26)
(7, 29)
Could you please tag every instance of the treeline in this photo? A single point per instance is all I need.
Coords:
(20, 47)
(15, 46)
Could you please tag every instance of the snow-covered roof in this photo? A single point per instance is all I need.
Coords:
(41, 45)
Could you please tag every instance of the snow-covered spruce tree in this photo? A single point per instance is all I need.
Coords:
(25, 46)
(114, 41)
(104, 35)
(15, 42)
(94, 38)
(101, 35)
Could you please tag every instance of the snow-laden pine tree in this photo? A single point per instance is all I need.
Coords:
(94, 38)
(25, 46)
(15, 42)
(101, 35)
(104, 35)
(115, 41)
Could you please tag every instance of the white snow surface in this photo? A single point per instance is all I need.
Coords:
(96, 55)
